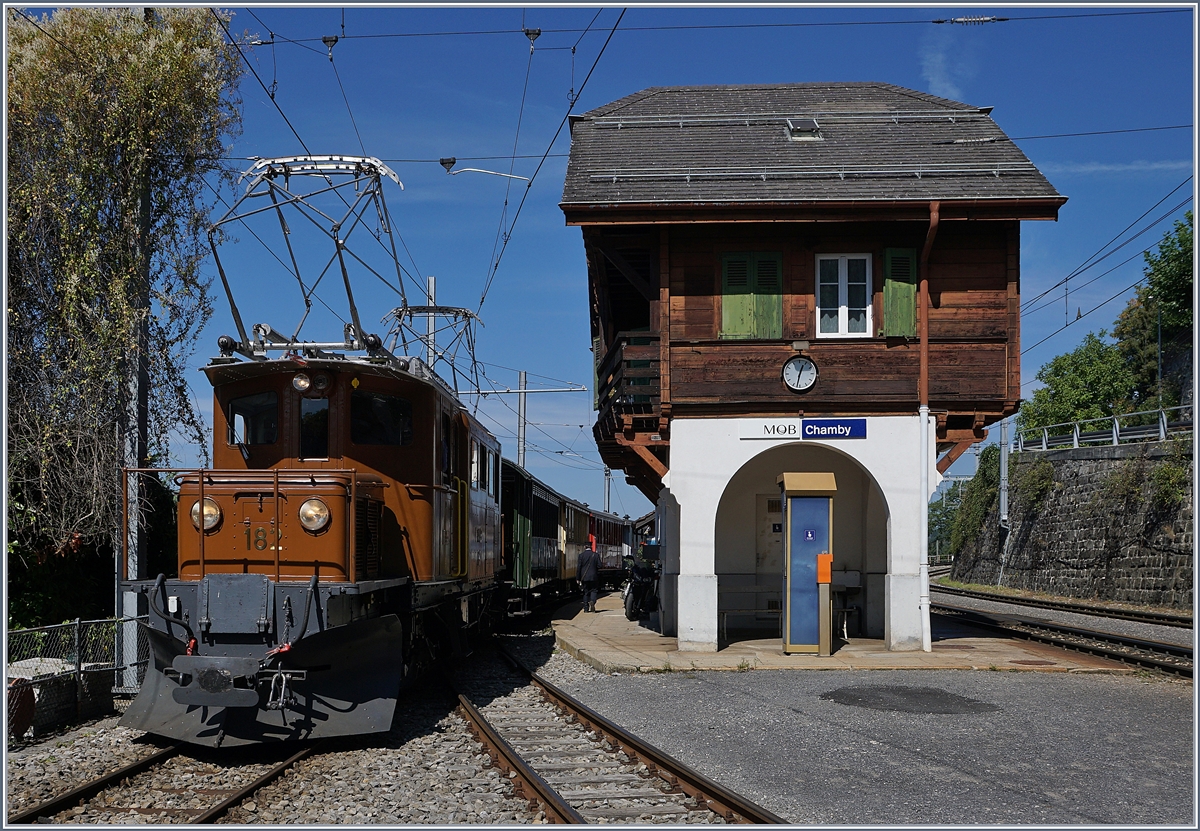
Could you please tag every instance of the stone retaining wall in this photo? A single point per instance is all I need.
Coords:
(1111, 523)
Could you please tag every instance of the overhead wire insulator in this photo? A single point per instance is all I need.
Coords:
(972, 21)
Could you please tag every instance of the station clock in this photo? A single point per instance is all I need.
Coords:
(799, 373)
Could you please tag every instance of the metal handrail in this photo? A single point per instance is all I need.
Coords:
(1072, 433)
(255, 476)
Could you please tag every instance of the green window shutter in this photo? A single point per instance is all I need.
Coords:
(900, 292)
(737, 297)
(768, 296)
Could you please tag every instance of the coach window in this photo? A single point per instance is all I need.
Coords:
(254, 419)
(447, 445)
(380, 419)
(474, 463)
(843, 295)
(314, 428)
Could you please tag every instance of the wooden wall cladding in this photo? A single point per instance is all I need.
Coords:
(970, 273)
(852, 373)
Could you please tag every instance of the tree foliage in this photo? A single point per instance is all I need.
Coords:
(1164, 302)
(977, 501)
(1100, 379)
(104, 107)
(1092, 381)
(1169, 273)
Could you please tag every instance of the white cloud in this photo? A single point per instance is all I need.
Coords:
(948, 61)
(1085, 168)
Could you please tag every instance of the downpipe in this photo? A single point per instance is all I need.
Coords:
(926, 626)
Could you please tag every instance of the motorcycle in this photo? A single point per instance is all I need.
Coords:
(640, 594)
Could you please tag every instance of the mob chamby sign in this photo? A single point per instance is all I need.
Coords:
(797, 429)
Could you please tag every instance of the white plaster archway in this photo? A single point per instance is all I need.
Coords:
(707, 454)
(860, 533)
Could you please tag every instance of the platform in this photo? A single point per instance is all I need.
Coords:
(610, 643)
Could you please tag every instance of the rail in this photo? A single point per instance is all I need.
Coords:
(1166, 657)
(530, 783)
(75, 796)
(1117, 613)
(45, 811)
(1147, 425)
(732, 807)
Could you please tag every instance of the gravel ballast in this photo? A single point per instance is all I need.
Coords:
(38, 772)
(830, 747)
(428, 770)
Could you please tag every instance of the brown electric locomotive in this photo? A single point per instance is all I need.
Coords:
(348, 530)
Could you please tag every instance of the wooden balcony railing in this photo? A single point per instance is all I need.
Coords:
(628, 378)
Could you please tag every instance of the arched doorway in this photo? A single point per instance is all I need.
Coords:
(748, 545)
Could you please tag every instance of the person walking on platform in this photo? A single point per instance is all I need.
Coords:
(589, 575)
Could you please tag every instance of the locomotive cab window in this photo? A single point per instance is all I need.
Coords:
(254, 419)
(314, 428)
(376, 418)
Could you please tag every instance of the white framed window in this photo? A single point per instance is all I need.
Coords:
(844, 295)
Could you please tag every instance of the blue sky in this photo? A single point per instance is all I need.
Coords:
(416, 98)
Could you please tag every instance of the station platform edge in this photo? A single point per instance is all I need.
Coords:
(610, 643)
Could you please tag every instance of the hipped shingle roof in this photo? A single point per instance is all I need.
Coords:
(730, 145)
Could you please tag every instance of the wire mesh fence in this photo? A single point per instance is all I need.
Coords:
(72, 671)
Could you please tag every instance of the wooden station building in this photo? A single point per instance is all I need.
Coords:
(779, 277)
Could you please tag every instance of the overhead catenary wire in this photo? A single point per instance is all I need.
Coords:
(1110, 271)
(732, 26)
(258, 78)
(513, 158)
(395, 161)
(530, 374)
(1085, 263)
(1094, 260)
(529, 185)
(346, 98)
(574, 46)
(1132, 285)
(1103, 132)
(555, 456)
(514, 412)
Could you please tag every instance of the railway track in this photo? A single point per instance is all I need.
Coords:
(582, 768)
(1148, 654)
(1141, 616)
(173, 785)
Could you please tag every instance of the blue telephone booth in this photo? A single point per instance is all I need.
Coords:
(807, 557)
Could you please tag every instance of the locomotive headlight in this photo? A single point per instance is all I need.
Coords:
(314, 514)
(212, 513)
(301, 382)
